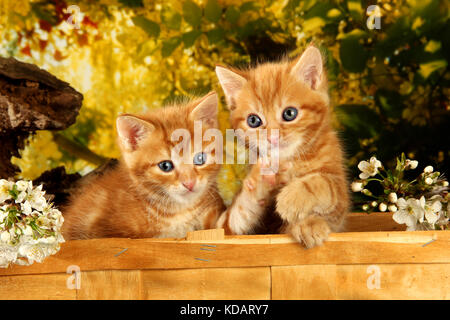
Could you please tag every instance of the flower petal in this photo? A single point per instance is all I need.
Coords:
(432, 217)
(400, 217)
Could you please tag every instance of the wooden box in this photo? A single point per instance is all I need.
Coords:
(376, 260)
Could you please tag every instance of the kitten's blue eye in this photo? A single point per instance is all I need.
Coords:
(166, 165)
(254, 121)
(290, 113)
(200, 158)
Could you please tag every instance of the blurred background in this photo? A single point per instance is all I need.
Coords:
(389, 77)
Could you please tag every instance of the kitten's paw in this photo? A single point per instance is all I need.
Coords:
(266, 174)
(259, 183)
(311, 231)
(269, 180)
(290, 204)
(262, 202)
(249, 184)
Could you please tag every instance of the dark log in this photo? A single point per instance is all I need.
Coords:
(58, 184)
(31, 99)
(9, 147)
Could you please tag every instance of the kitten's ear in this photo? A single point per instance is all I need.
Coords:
(206, 110)
(132, 131)
(231, 83)
(309, 67)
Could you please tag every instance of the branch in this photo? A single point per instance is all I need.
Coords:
(78, 150)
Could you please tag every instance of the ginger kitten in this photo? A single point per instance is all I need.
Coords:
(311, 196)
(151, 193)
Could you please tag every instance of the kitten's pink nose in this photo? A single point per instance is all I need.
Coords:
(189, 185)
(274, 140)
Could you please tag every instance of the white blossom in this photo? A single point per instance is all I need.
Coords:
(23, 185)
(26, 208)
(20, 244)
(410, 212)
(357, 186)
(429, 181)
(5, 236)
(32, 253)
(382, 207)
(5, 186)
(369, 168)
(392, 208)
(392, 197)
(433, 209)
(411, 164)
(428, 169)
(28, 231)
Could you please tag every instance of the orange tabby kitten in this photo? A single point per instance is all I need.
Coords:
(150, 193)
(311, 196)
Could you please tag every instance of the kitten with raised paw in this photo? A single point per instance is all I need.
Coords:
(150, 193)
(292, 97)
(247, 212)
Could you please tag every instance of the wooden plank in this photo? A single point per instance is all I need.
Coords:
(110, 285)
(36, 287)
(396, 281)
(304, 282)
(212, 283)
(376, 221)
(407, 281)
(211, 234)
(141, 254)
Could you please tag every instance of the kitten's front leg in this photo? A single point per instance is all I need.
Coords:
(244, 214)
(311, 207)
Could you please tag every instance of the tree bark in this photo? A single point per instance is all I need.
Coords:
(31, 99)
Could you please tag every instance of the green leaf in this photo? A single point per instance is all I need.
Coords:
(352, 53)
(132, 3)
(253, 27)
(170, 45)
(426, 69)
(232, 14)
(190, 37)
(289, 8)
(192, 13)
(359, 120)
(249, 6)
(143, 50)
(354, 6)
(215, 35)
(313, 24)
(149, 26)
(43, 13)
(213, 11)
(320, 9)
(334, 13)
(390, 102)
(14, 193)
(170, 18)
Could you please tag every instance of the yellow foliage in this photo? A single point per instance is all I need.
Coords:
(40, 154)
